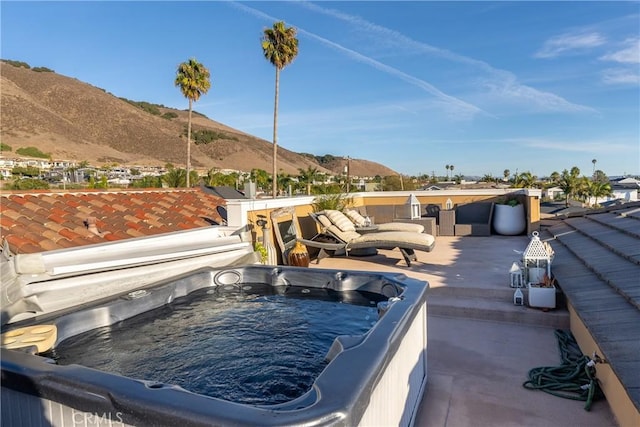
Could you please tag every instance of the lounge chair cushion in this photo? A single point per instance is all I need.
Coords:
(326, 222)
(391, 239)
(355, 217)
(340, 220)
(401, 226)
(360, 221)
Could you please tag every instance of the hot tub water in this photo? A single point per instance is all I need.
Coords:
(249, 343)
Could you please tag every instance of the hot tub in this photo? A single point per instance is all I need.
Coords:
(376, 378)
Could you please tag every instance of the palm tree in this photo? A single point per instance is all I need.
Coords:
(447, 168)
(526, 180)
(599, 189)
(506, 174)
(260, 177)
(451, 169)
(175, 178)
(594, 166)
(568, 183)
(193, 78)
(280, 47)
(308, 177)
(487, 178)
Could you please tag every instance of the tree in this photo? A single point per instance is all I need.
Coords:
(505, 174)
(600, 176)
(193, 78)
(284, 180)
(594, 161)
(308, 177)
(447, 168)
(526, 180)
(175, 178)
(280, 47)
(568, 183)
(487, 178)
(598, 189)
(260, 177)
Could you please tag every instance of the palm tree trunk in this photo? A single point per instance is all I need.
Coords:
(274, 187)
(189, 144)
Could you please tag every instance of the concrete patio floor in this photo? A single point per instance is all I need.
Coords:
(481, 346)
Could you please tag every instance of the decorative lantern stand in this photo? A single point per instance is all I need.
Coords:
(414, 207)
(516, 281)
(515, 276)
(537, 259)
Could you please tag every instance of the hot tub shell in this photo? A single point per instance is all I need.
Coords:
(374, 379)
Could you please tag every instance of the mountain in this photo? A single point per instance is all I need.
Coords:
(73, 120)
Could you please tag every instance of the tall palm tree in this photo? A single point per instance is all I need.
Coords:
(280, 47)
(193, 78)
(594, 166)
(447, 168)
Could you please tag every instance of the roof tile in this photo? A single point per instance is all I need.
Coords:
(55, 220)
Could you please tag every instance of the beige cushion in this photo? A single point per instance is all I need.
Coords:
(355, 217)
(340, 220)
(345, 236)
(401, 226)
(326, 222)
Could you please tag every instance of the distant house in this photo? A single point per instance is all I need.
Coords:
(552, 193)
(623, 190)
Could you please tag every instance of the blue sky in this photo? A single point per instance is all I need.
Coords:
(484, 86)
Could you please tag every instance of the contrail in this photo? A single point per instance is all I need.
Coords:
(460, 105)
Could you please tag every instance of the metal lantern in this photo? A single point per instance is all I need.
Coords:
(537, 260)
(414, 207)
(515, 276)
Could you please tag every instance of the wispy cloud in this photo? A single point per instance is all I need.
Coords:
(596, 146)
(508, 91)
(570, 42)
(501, 83)
(629, 54)
(615, 76)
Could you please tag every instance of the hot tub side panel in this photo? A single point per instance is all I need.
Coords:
(386, 374)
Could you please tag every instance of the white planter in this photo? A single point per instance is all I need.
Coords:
(543, 297)
(509, 220)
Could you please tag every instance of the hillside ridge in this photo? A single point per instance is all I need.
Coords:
(73, 120)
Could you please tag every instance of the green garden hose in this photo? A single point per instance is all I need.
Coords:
(574, 379)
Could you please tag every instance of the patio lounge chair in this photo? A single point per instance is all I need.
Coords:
(343, 231)
(287, 230)
(359, 221)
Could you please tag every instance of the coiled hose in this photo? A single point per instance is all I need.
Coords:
(574, 379)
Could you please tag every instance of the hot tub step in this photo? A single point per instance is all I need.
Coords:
(500, 311)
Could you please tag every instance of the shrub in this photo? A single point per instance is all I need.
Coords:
(17, 63)
(32, 152)
(30, 184)
(5, 147)
(146, 106)
(206, 136)
(25, 171)
(337, 201)
(169, 115)
(42, 70)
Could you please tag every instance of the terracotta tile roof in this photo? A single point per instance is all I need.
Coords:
(42, 221)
